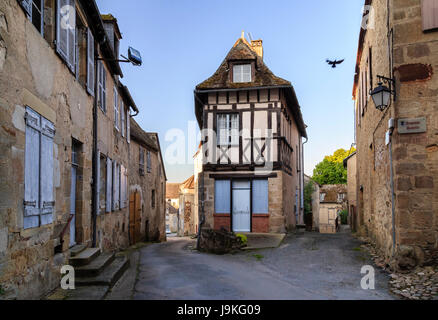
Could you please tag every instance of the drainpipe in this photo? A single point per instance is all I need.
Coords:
(95, 199)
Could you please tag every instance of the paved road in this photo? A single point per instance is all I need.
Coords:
(305, 266)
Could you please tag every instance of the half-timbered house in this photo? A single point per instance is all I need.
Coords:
(251, 175)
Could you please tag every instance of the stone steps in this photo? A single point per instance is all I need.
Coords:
(96, 266)
(77, 249)
(84, 257)
(108, 276)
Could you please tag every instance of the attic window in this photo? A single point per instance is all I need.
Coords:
(242, 73)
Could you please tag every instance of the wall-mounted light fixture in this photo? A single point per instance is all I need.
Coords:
(382, 94)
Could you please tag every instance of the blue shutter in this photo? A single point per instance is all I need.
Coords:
(128, 126)
(27, 6)
(115, 187)
(90, 62)
(260, 196)
(61, 30)
(31, 171)
(72, 37)
(109, 184)
(222, 196)
(46, 179)
(97, 207)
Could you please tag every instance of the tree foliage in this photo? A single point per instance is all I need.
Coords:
(308, 191)
(331, 170)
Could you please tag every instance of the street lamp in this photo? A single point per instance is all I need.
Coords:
(382, 94)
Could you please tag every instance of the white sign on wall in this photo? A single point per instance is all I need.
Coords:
(417, 125)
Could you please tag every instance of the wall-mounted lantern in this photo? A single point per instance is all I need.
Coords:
(382, 94)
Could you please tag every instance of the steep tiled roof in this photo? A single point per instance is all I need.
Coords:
(172, 190)
(189, 183)
(145, 138)
(242, 51)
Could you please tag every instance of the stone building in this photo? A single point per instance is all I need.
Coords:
(188, 220)
(315, 201)
(147, 183)
(64, 136)
(172, 194)
(350, 163)
(398, 211)
(251, 178)
(332, 200)
(171, 218)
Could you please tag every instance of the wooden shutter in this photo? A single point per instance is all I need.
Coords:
(260, 196)
(90, 63)
(109, 184)
(429, 12)
(46, 167)
(116, 190)
(27, 6)
(61, 30)
(149, 162)
(116, 108)
(122, 116)
(128, 126)
(97, 207)
(72, 37)
(222, 196)
(31, 171)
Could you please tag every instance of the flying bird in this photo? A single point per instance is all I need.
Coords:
(334, 63)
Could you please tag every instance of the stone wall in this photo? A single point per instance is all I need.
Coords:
(415, 156)
(32, 74)
(153, 219)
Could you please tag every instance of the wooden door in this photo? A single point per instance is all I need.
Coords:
(135, 217)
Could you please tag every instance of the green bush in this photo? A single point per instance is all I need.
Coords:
(243, 238)
(344, 216)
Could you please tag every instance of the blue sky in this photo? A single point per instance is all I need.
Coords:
(183, 43)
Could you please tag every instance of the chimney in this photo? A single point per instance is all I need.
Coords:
(257, 46)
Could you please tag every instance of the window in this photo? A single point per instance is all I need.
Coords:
(222, 197)
(341, 197)
(141, 162)
(260, 196)
(242, 73)
(38, 173)
(66, 31)
(101, 86)
(429, 13)
(34, 10)
(81, 52)
(322, 196)
(116, 109)
(149, 162)
(153, 199)
(228, 129)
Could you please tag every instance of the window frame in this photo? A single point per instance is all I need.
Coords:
(241, 72)
(233, 142)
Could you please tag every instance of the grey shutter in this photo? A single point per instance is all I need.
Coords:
(260, 196)
(429, 12)
(46, 166)
(116, 108)
(27, 6)
(103, 87)
(97, 207)
(122, 117)
(72, 37)
(61, 30)
(90, 63)
(222, 196)
(128, 126)
(149, 162)
(31, 171)
(109, 28)
(115, 186)
(109, 184)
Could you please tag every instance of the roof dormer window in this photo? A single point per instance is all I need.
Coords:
(242, 73)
